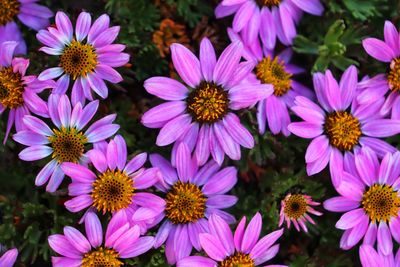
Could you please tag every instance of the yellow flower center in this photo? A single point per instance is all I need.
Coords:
(112, 191)
(11, 88)
(268, 3)
(185, 203)
(101, 257)
(273, 72)
(68, 144)
(8, 10)
(393, 76)
(238, 259)
(208, 103)
(78, 60)
(342, 129)
(295, 206)
(381, 202)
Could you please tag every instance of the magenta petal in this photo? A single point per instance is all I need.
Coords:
(227, 63)
(62, 246)
(230, 147)
(252, 233)
(8, 258)
(305, 129)
(186, 64)
(385, 244)
(208, 59)
(392, 37)
(196, 261)
(163, 113)
(173, 130)
(35, 153)
(340, 204)
(213, 247)
(350, 219)
(381, 128)
(94, 231)
(221, 182)
(78, 172)
(239, 232)
(369, 257)
(378, 49)
(310, 6)
(220, 229)
(77, 239)
(78, 203)
(141, 246)
(83, 24)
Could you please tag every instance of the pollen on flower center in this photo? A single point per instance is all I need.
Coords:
(381, 202)
(208, 103)
(295, 206)
(238, 259)
(393, 76)
(272, 71)
(101, 257)
(8, 10)
(78, 60)
(112, 191)
(342, 129)
(11, 88)
(68, 144)
(185, 203)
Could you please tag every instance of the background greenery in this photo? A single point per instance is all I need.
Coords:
(273, 168)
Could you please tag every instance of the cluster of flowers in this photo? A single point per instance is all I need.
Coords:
(345, 119)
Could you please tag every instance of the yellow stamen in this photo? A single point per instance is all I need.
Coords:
(8, 10)
(273, 72)
(295, 206)
(381, 202)
(342, 129)
(11, 88)
(78, 60)
(101, 257)
(185, 203)
(393, 76)
(208, 103)
(68, 144)
(238, 259)
(112, 191)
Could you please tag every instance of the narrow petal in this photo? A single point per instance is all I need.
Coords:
(378, 49)
(186, 64)
(94, 230)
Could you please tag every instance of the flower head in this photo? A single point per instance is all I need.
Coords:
(201, 113)
(29, 13)
(244, 248)
(121, 241)
(87, 57)
(267, 19)
(8, 259)
(370, 198)
(65, 140)
(18, 91)
(295, 209)
(192, 195)
(116, 184)
(387, 51)
(277, 71)
(339, 124)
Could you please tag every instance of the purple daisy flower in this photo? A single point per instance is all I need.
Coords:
(267, 19)
(201, 113)
(339, 124)
(18, 91)
(116, 185)
(66, 142)
(295, 209)
(387, 51)
(29, 13)
(371, 258)
(192, 195)
(88, 57)
(121, 241)
(242, 249)
(370, 197)
(8, 259)
(277, 71)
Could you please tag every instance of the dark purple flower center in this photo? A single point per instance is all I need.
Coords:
(208, 103)
(185, 203)
(8, 10)
(11, 88)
